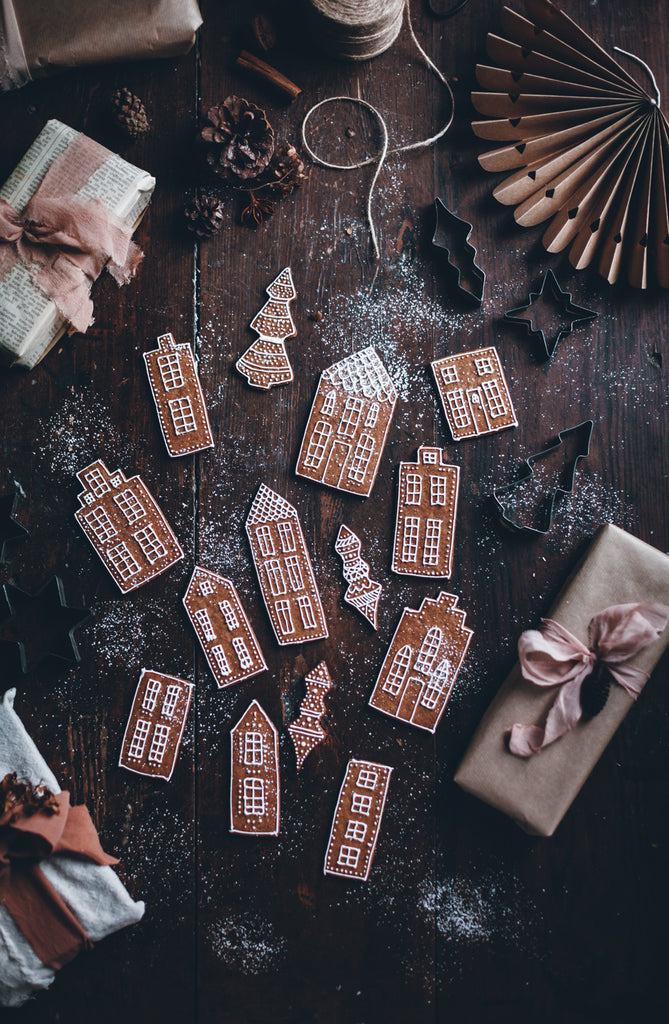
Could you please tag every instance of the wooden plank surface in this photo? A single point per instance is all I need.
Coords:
(464, 917)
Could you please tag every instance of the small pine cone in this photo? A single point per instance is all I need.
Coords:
(204, 215)
(286, 171)
(239, 139)
(129, 113)
(595, 691)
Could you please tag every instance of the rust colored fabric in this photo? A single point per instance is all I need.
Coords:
(37, 909)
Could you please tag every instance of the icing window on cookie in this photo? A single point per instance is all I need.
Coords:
(449, 374)
(436, 685)
(429, 650)
(398, 671)
(159, 744)
(356, 830)
(328, 406)
(183, 417)
(222, 664)
(170, 702)
(458, 406)
(286, 536)
(483, 366)
(101, 525)
(410, 538)
(367, 779)
(294, 572)
(438, 485)
(414, 489)
(130, 505)
(206, 587)
(202, 619)
(361, 458)
(317, 445)
(231, 620)
(496, 403)
(150, 543)
(123, 561)
(350, 417)
(348, 857)
(151, 695)
(361, 804)
(254, 798)
(275, 577)
(284, 616)
(253, 748)
(96, 482)
(264, 540)
(170, 371)
(432, 539)
(139, 736)
(372, 415)
(306, 612)
(242, 652)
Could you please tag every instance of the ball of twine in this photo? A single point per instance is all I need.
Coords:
(356, 29)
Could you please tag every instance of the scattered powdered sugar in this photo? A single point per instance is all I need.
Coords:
(471, 912)
(247, 943)
(76, 434)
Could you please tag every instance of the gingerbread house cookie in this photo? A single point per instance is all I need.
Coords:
(155, 726)
(422, 662)
(474, 393)
(284, 569)
(362, 592)
(125, 526)
(427, 497)
(222, 627)
(306, 731)
(254, 774)
(357, 820)
(348, 424)
(265, 364)
(178, 397)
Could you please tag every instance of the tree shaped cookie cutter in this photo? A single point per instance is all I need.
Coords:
(575, 314)
(583, 429)
(461, 250)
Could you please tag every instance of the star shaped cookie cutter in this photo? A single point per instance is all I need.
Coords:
(9, 528)
(47, 607)
(575, 314)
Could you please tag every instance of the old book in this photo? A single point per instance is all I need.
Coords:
(30, 323)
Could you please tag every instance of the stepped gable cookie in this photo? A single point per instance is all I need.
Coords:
(157, 719)
(348, 424)
(265, 364)
(125, 526)
(422, 662)
(178, 397)
(427, 497)
(306, 731)
(362, 593)
(357, 820)
(474, 393)
(284, 569)
(254, 775)
(223, 629)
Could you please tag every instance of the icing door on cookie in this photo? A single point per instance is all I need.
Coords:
(335, 468)
(478, 410)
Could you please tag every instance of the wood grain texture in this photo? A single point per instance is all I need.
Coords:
(464, 917)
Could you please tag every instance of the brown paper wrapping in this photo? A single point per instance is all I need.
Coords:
(536, 792)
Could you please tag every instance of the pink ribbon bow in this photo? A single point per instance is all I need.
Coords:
(552, 656)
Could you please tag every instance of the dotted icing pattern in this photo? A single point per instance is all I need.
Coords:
(373, 820)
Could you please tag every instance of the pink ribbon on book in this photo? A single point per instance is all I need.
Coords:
(552, 656)
(66, 240)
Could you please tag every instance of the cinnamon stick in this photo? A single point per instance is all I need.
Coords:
(267, 73)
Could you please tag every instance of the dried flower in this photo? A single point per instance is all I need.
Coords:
(31, 799)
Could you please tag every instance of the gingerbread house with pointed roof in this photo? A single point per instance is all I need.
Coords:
(254, 774)
(348, 424)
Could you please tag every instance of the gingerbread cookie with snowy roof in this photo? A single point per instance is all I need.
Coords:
(284, 569)
(155, 725)
(348, 424)
(362, 592)
(265, 364)
(306, 731)
(222, 627)
(178, 397)
(254, 774)
(357, 820)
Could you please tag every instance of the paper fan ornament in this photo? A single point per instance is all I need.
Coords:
(587, 145)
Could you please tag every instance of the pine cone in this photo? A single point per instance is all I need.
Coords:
(129, 113)
(285, 172)
(204, 215)
(240, 139)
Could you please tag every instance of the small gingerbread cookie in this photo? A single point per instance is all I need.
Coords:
(362, 592)
(357, 820)
(306, 731)
(427, 498)
(155, 725)
(474, 393)
(178, 397)
(265, 364)
(254, 774)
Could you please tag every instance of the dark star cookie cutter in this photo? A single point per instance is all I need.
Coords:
(461, 250)
(9, 528)
(48, 613)
(575, 314)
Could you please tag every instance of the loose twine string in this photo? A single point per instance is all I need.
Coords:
(351, 11)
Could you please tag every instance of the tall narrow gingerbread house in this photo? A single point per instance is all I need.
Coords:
(155, 724)
(357, 819)
(284, 569)
(222, 627)
(427, 498)
(422, 662)
(177, 392)
(254, 774)
(348, 424)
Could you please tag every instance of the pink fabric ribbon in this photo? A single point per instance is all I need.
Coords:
(552, 656)
(66, 242)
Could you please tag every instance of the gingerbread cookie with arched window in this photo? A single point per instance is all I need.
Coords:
(422, 662)
(254, 774)
(348, 424)
(155, 725)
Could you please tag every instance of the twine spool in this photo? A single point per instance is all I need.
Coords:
(356, 29)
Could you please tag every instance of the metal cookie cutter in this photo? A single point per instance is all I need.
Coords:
(45, 614)
(459, 230)
(575, 314)
(9, 528)
(582, 434)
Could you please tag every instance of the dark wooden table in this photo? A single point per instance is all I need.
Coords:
(464, 917)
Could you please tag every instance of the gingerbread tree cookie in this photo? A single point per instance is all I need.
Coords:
(357, 820)
(155, 726)
(427, 497)
(265, 364)
(362, 592)
(254, 774)
(306, 731)
(178, 397)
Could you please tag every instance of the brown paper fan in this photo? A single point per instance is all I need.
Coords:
(588, 146)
